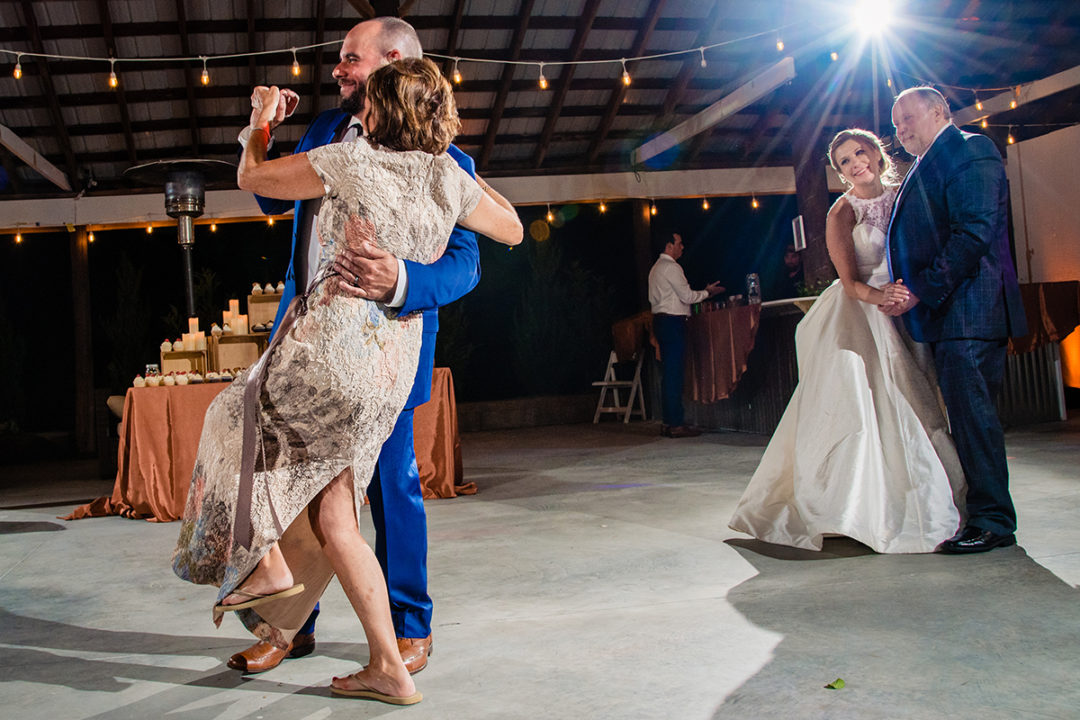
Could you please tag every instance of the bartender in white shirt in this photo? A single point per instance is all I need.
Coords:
(671, 297)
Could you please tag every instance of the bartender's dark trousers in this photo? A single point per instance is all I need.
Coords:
(670, 331)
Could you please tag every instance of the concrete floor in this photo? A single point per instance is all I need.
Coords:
(593, 577)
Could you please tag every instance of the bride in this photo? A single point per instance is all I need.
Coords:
(863, 448)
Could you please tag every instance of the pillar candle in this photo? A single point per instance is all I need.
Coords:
(226, 318)
(234, 307)
(189, 341)
(200, 341)
(193, 324)
(241, 324)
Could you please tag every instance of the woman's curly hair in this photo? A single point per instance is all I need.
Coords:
(413, 106)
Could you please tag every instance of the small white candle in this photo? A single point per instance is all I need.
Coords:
(193, 324)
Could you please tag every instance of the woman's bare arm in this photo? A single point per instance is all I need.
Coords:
(287, 178)
(495, 217)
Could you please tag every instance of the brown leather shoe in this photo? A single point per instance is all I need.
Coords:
(414, 653)
(263, 656)
(679, 431)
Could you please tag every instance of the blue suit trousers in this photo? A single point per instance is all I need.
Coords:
(970, 373)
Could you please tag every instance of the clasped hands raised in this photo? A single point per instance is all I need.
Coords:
(898, 299)
(271, 105)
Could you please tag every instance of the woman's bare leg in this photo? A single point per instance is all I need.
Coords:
(271, 575)
(333, 518)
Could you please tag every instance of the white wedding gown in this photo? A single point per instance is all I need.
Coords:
(863, 448)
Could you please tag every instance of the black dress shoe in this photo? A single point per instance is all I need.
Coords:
(678, 431)
(975, 540)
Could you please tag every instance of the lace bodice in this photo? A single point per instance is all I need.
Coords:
(871, 227)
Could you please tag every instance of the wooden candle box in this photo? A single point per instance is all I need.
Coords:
(184, 361)
(235, 351)
(262, 308)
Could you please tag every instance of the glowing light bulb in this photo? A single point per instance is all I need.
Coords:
(1010, 139)
(542, 80)
(834, 55)
(983, 123)
(603, 207)
(457, 73)
(550, 215)
(1012, 104)
(779, 45)
(205, 79)
(18, 68)
(149, 229)
(704, 203)
(213, 227)
(625, 77)
(652, 208)
(295, 64)
(754, 202)
(702, 51)
(90, 237)
(978, 103)
(18, 238)
(270, 221)
(113, 81)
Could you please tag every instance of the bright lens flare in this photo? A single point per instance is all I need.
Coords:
(873, 16)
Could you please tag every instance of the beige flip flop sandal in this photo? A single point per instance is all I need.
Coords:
(367, 693)
(257, 599)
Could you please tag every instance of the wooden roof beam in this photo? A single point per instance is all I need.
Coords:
(121, 99)
(253, 79)
(565, 78)
(690, 64)
(452, 36)
(50, 93)
(317, 69)
(185, 49)
(504, 85)
(617, 95)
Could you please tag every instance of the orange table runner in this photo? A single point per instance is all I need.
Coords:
(159, 438)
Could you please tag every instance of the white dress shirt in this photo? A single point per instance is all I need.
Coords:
(669, 292)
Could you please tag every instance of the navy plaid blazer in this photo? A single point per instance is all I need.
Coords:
(949, 242)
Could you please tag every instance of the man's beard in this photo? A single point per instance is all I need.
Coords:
(353, 103)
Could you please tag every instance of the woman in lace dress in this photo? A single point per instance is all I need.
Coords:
(271, 514)
(863, 448)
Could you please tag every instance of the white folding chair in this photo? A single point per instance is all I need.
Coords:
(613, 385)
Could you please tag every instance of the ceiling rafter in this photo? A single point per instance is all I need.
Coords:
(566, 77)
(317, 71)
(690, 65)
(185, 48)
(253, 79)
(121, 99)
(640, 42)
(452, 36)
(524, 12)
(59, 125)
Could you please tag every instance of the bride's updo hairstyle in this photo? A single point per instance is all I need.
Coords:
(870, 141)
(413, 107)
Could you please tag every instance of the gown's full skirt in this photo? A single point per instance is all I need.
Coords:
(862, 449)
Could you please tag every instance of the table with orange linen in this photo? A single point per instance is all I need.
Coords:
(159, 438)
(718, 343)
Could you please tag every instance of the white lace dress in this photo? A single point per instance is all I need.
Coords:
(862, 449)
(340, 377)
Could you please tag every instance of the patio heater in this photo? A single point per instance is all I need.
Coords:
(185, 196)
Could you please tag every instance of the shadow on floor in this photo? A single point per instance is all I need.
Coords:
(953, 636)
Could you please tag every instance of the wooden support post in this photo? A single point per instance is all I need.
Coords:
(643, 253)
(83, 345)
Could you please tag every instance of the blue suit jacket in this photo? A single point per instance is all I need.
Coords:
(949, 242)
(430, 286)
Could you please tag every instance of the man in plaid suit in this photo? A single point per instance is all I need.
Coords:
(949, 246)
